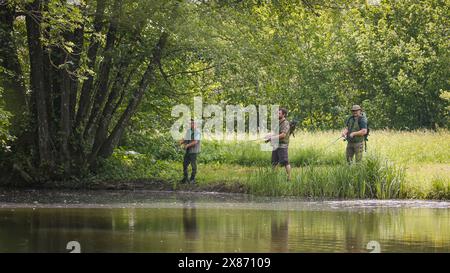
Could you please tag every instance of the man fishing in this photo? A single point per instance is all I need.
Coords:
(280, 148)
(191, 143)
(354, 132)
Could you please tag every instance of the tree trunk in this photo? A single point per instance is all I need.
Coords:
(78, 39)
(105, 119)
(67, 94)
(149, 77)
(37, 85)
(101, 89)
(64, 121)
(85, 96)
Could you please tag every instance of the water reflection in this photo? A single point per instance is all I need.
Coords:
(193, 229)
(279, 232)
(354, 230)
(190, 221)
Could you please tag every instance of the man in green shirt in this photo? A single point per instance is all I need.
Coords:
(280, 149)
(191, 143)
(354, 132)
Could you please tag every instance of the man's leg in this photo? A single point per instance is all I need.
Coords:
(349, 152)
(284, 160)
(359, 148)
(185, 168)
(194, 167)
(288, 171)
(275, 158)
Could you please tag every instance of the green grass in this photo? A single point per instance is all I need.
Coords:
(397, 165)
(440, 188)
(373, 178)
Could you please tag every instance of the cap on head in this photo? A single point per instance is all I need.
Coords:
(356, 108)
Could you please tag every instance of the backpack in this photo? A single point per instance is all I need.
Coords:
(363, 116)
(292, 125)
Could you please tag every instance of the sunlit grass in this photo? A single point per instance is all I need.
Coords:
(428, 181)
(308, 148)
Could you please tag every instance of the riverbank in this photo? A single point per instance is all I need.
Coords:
(398, 165)
(138, 185)
(371, 181)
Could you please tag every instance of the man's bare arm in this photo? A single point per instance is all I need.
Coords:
(281, 136)
(361, 132)
(192, 143)
(345, 132)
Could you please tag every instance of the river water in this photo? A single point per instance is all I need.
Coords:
(146, 221)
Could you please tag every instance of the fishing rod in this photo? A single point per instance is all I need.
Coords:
(260, 139)
(329, 145)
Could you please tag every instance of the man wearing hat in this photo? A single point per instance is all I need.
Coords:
(354, 132)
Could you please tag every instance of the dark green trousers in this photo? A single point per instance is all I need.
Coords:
(190, 158)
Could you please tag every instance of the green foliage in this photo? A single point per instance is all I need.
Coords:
(5, 137)
(391, 58)
(158, 145)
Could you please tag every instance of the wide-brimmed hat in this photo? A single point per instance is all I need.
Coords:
(356, 108)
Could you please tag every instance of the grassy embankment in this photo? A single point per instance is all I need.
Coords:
(397, 165)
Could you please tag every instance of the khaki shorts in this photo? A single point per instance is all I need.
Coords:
(356, 150)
